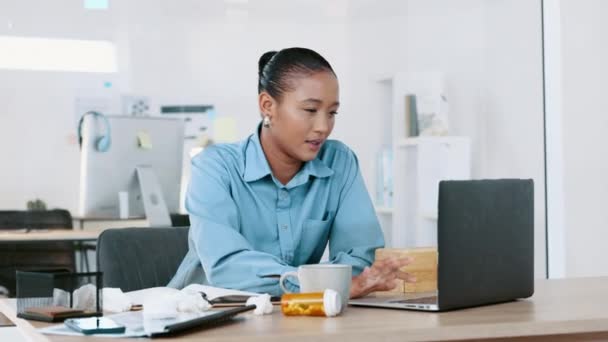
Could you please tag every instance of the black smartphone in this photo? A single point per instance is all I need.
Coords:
(94, 325)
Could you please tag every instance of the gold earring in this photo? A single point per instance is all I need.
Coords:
(266, 122)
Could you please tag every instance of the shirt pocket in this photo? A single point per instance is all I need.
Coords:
(316, 224)
(316, 232)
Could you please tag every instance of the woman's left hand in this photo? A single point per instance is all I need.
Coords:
(381, 276)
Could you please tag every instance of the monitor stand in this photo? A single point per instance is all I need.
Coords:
(155, 207)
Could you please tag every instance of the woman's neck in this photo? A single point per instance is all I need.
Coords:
(283, 167)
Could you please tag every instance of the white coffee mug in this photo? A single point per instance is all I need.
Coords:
(318, 278)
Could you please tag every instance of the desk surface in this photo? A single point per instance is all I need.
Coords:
(98, 218)
(559, 310)
(50, 235)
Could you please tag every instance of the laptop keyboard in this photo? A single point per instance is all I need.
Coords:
(423, 300)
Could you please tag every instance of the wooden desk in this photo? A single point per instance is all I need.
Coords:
(561, 310)
(50, 235)
(110, 222)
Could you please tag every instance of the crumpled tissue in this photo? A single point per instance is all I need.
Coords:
(171, 305)
(114, 300)
(262, 303)
(83, 298)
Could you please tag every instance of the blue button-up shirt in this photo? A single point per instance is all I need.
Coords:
(247, 227)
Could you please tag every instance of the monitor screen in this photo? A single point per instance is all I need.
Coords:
(152, 142)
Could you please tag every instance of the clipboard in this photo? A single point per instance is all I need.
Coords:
(203, 322)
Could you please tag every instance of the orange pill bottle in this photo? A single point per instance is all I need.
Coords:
(327, 303)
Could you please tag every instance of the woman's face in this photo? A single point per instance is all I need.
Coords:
(303, 118)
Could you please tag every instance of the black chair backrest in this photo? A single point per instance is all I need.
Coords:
(180, 220)
(138, 258)
(35, 219)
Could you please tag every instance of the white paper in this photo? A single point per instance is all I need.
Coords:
(12, 334)
(133, 321)
(139, 296)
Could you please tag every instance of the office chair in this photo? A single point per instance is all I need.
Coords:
(139, 258)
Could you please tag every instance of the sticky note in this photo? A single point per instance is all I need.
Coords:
(143, 140)
(224, 129)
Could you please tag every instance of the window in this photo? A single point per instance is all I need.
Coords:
(48, 54)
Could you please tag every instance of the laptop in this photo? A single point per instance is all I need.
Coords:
(485, 242)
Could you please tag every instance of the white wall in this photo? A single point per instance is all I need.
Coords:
(39, 154)
(493, 77)
(585, 123)
(207, 52)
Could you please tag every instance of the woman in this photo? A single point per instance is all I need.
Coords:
(264, 206)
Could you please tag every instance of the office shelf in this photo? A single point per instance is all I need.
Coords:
(418, 164)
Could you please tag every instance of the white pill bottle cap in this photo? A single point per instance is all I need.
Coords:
(332, 304)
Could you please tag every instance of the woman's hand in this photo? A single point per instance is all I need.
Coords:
(381, 276)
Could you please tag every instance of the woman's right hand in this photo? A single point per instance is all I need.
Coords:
(381, 276)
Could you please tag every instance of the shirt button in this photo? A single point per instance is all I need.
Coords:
(284, 226)
(284, 194)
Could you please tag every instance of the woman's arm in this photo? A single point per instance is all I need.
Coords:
(356, 232)
(227, 257)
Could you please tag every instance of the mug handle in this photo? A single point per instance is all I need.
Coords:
(285, 276)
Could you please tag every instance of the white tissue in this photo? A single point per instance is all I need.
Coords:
(192, 303)
(160, 307)
(262, 303)
(140, 296)
(171, 305)
(85, 298)
(114, 300)
(61, 298)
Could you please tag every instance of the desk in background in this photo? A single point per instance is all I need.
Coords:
(560, 310)
(19, 236)
(82, 222)
(99, 222)
(56, 235)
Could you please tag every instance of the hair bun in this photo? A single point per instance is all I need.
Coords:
(266, 57)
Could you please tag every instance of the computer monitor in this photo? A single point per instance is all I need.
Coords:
(144, 158)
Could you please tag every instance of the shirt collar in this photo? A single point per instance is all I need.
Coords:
(256, 165)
